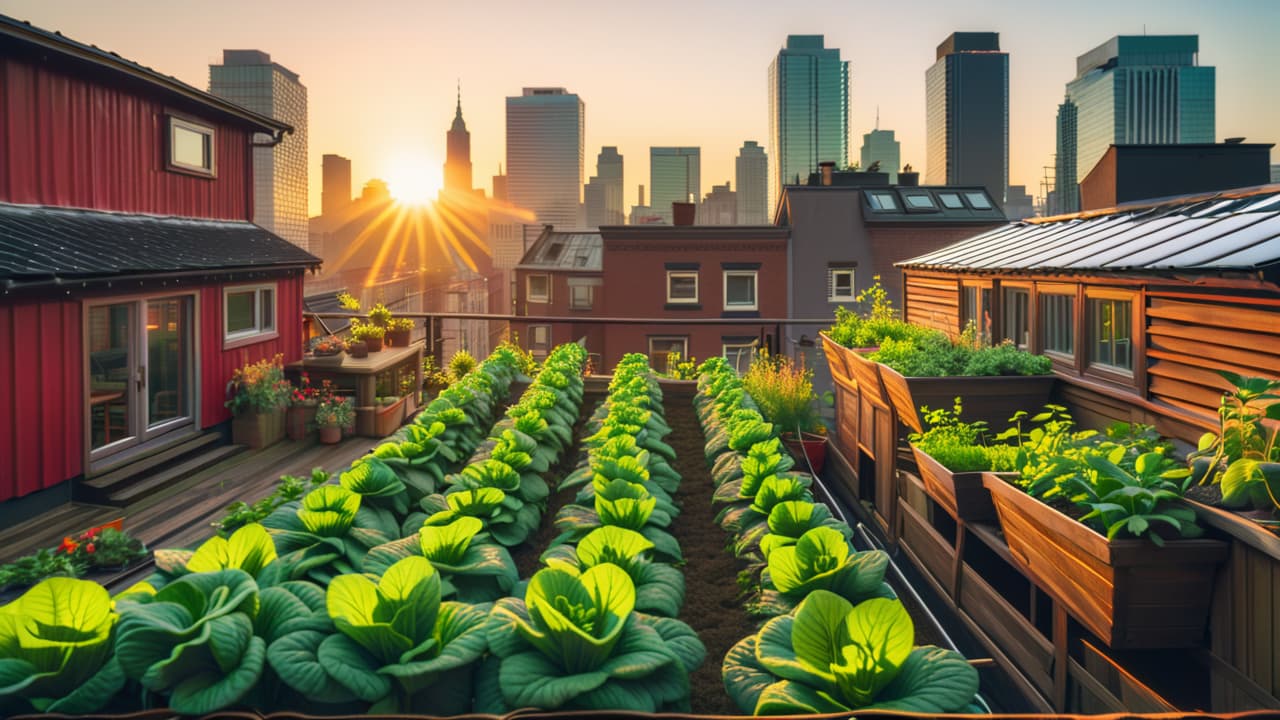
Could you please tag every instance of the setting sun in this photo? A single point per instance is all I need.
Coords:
(414, 180)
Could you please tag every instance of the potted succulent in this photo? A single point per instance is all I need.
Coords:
(302, 408)
(1096, 521)
(259, 394)
(951, 456)
(784, 392)
(399, 331)
(333, 414)
(371, 335)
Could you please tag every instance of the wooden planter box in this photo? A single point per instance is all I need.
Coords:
(389, 418)
(258, 430)
(1130, 593)
(991, 399)
(963, 495)
(300, 421)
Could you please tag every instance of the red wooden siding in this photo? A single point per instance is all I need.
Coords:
(74, 142)
(217, 365)
(41, 393)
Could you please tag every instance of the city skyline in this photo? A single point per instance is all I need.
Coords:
(359, 108)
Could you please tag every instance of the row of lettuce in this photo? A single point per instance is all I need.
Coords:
(391, 590)
(838, 639)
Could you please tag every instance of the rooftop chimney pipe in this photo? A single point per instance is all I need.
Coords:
(828, 168)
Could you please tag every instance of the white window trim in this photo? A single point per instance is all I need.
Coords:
(738, 347)
(683, 274)
(591, 297)
(755, 290)
(831, 285)
(207, 131)
(258, 333)
(682, 339)
(533, 337)
(528, 289)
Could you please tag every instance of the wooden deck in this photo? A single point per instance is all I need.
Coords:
(185, 512)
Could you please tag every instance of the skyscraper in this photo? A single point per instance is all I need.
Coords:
(335, 188)
(751, 176)
(603, 192)
(675, 175)
(879, 146)
(544, 154)
(1132, 89)
(967, 114)
(457, 159)
(808, 110)
(249, 78)
(719, 207)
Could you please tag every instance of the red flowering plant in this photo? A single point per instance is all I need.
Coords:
(327, 345)
(305, 394)
(259, 387)
(103, 546)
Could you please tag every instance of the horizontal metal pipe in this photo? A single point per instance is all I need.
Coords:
(591, 320)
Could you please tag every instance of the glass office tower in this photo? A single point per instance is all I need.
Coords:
(675, 175)
(808, 111)
(1133, 89)
(544, 154)
(967, 114)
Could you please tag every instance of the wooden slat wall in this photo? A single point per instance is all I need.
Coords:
(933, 302)
(1244, 631)
(1189, 339)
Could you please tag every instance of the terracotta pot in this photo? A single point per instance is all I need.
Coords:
(374, 343)
(330, 434)
(358, 349)
(258, 430)
(1130, 593)
(389, 418)
(299, 420)
(810, 446)
(398, 338)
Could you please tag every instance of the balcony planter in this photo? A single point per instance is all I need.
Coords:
(300, 420)
(809, 446)
(258, 430)
(992, 399)
(388, 418)
(358, 349)
(374, 344)
(398, 338)
(1130, 593)
(962, 494)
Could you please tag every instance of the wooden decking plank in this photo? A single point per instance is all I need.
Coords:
(48, 529)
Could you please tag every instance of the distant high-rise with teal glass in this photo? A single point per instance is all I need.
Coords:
(1132, 89)
(808, 111)
(879, 146)
(675, 175)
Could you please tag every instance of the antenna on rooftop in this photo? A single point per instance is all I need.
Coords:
(877, 117)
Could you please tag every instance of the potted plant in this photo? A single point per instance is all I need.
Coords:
(371, 335)
(1239, 466)
(333, 414)
(783, 390)
(380, 315)
(327, 346)
(399, 331)
(951, 456)
(434, 378)
(259, 393)
(389, 415)
(1095, 520)
(302, 408)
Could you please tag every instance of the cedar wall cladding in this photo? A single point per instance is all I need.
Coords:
(70, 141)
(894, 243)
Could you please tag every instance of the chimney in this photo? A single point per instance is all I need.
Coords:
(827, 168)
(683, 213)
(908, 179)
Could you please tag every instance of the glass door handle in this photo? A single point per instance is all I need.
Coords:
(141, 379)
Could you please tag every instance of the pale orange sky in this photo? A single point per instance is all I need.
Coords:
(381, 77)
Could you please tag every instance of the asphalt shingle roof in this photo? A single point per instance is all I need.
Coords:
(47, 243)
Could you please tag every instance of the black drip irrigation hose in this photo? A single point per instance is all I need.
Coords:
(869, 542)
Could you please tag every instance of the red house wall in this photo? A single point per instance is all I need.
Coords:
(41, 395)
(74, 142)
(217, 364)
(635, 277)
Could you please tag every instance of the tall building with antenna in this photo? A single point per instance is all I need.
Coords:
(457, 159)
(879, 146)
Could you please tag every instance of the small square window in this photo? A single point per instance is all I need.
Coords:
(740, 354)
(540, 336)
(951, 201)
(919, 201)
(248, 313)
(740, 290)
(663, 351)
(682, 287)
(538, 289)
(840, 284)
(581, 297)
(882, 201)
(978, 200)
(190, 147)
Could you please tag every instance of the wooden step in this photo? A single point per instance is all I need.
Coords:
(136, 491)
(104, 483)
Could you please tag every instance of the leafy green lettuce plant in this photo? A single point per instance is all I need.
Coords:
(328, 534)
(821, 559)
(472, 567)
(575, 643)
(832, 656)
(659, 586)
(56, 649)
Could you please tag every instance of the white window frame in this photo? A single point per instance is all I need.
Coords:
(545, 297)
(260, 331)
(176, 123)
(832, 273)
(574, 303)
(755, 290)
(682, 339)
(534, 344)
(683, 274)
